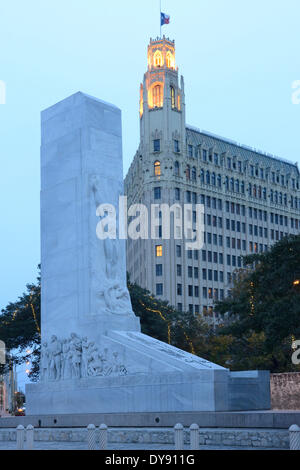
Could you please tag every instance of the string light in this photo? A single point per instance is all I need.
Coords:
(252, 306)
(169, 325)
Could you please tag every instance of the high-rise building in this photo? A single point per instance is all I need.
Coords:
(251, 198)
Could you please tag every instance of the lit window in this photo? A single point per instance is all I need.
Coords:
(170, 60)
(157, 96)
(157, 168)
(173, 103)
(159, 251)
(158, 59)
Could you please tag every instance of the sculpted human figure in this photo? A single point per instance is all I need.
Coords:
(76, 361)
(117, 299)
(65, 370)
(70, 359)
(55, 358)
(45, 363)
(84, 357)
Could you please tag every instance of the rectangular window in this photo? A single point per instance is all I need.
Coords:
(177, 194)
(159, 251)
(190, 290)
(159, 270)
(157, 193)
(190, 271)
(179, 270)
(179, 289)
(176, 146)
(156, 145)
(159, 289)
(178, 251)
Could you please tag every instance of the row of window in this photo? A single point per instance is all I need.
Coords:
(206, 311)
(232, 260)
(254, 171)
(194, 291)
(215, 203)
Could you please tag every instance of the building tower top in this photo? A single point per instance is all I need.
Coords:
(161, 53)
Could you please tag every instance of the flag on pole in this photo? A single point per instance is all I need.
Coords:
(164, 19)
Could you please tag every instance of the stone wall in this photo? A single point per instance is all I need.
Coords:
(221, 437)
(285, 391)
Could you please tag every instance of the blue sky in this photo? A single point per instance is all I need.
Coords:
(239, 60)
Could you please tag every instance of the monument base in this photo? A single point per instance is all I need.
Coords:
(151, 377)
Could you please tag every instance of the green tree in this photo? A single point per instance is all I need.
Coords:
(264, 308)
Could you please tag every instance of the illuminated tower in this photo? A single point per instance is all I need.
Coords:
(162, 102)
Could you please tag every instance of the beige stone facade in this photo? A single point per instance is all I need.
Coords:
(251, 198)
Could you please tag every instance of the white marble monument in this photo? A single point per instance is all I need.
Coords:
(94, 358)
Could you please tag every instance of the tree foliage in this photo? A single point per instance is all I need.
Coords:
(264, 308)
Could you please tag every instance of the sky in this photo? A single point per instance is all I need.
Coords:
(239, 60)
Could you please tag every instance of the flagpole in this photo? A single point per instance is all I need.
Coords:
(160, 16)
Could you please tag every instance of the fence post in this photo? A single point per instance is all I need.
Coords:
(91, 436)
(29, 437)
(103, 437)
(194, 437)
(294, 432)
(20, 437)
(178, 431)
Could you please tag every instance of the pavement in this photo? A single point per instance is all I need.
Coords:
(83, 446)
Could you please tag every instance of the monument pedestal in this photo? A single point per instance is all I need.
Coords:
(150, 376)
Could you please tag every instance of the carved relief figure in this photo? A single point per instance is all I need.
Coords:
(76, 358)
(55, 358)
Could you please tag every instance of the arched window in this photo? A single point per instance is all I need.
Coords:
(213, 179)
(157, 96)
(158, 59)
(219, 181)
(176, 168)
(207, 177)
(237, 186)
(157, 169)
(170, 60)
(173, 102)
(202, 176)
(194, 174)
(231, 184)
(188, 173)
